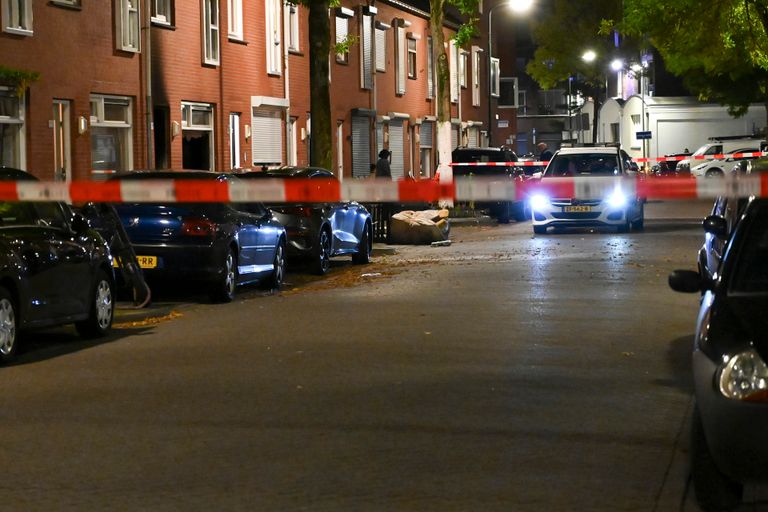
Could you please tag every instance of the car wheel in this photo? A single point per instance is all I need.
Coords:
(363, 254)
(278, 267)
(321, 259)
(520, 212)
(624, 228)
(8, 326)
(102, 309)
(223, 290)
(540, 230)
(502, 213)
(638, 224)
(714, 490)
(714, 173)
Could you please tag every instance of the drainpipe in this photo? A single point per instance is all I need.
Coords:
(146, 29)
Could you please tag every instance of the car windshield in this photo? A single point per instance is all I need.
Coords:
(483, 156)
(751, 268)
(583, 164)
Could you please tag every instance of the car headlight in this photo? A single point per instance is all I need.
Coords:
(744, 377)
(617, 199)
(539, 202)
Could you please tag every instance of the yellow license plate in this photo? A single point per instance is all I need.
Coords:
(147, 261)
(578, 208)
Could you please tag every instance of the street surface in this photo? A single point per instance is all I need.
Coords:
(506, 372)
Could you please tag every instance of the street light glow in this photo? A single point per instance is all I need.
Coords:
(520, 5)
(617, 64)
(589, 56)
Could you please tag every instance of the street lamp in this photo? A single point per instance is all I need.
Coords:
(518, 6)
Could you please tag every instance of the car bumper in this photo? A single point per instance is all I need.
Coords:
(599, 215)
(193, 262)
(734, 430)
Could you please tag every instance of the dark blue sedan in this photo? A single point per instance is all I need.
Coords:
(221, 245)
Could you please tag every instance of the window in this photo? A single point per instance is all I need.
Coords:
(507, 91)
(400, 59)
(11, 129)
(381, 46)
(128, 25)
(274, 35)
(197, 131)
(17, 16)
(495, 77)
(412, 59)
(161, 12)
(430, 69)
(111, 133)
(476, 76)
(292, 21)
(210, 31)
(342, 31)
(235, 12)
(462, 69)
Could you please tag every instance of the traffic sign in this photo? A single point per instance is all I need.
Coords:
(643, 135)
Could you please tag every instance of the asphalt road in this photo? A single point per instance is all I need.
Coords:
(506, 372)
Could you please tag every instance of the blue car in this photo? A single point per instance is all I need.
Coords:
(218, 244)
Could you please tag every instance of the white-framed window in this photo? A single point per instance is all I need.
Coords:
(274, 35)
(381, 46)
(162, 12)
(17, 17)
(111, 133)
(342, 31)
(197, 135)
(12, 149)
(463, 68)
(210, 19)
(235, 11)
(508, 93)
(476, 52)
(494, 78)
(400, 59)
(412, 58)
(292, 26)
(128, 25)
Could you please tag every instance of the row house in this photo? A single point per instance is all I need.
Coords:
(224, 84)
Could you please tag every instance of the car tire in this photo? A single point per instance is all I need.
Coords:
(102, 308)
(275, 280)
(639, 224)
(9, 335)
(714, 490)
(321, 253)
(540, 230)
(521, 212)
(624, 228)
(502, 213)
(714, 173)
(363, 254)
(223, 289)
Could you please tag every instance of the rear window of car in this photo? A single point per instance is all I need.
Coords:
(583, 164)
(483, 156)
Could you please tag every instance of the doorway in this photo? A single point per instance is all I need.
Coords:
(62, 166)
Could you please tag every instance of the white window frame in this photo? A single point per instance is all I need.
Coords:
(17, 17)
(162, 12)
(476, 54)
(128, 25)
(187, 110)
(292, 18)
(411, 58)
(18, 121)
(274, 36)
(494, 77)
(99, 120)
(210, 31)
(516, 92)
(235, 16)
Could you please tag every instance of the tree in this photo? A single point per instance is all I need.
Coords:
(720, 50)
(469, 9)
(562, 38)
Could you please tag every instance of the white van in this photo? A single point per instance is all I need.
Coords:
(717, 146)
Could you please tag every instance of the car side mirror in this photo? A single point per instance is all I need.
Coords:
(685, 281)
(536, 175)
(80, 224)
(716, 225)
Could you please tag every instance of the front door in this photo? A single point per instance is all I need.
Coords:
(62, 170)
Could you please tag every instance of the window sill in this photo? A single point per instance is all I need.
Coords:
(237, 40)
(298, 53)
(18, 31)
(164, 25)
(73, 7)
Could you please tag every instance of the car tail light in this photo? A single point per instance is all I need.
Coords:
(198, 227)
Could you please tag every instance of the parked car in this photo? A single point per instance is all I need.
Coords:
(718, 226)
(502, 210)
(319, 231)
(13, 174)
(221, 245)
(721, 167)
(730, 375)
(719, 146)
(669, 168)
(620, 208)
(54, 270)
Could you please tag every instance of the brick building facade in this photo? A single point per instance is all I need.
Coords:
(227, 84)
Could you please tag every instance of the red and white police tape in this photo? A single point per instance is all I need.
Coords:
(375, 190)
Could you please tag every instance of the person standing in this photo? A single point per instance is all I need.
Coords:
(544, 154)
(382, 165)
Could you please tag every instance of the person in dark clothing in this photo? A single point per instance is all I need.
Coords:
(544, 153)
(382, 165)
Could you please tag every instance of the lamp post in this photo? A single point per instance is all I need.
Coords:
(518, 6)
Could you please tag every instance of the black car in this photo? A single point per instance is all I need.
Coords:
(54, 269)
(218, 244)
(729, 365)
(320, 231)
(718, 226)
(502, 210)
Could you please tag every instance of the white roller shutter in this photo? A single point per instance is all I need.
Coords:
(396, 142)
(425, 134)
(361, 147)
(267, 136)
(454, 137)
(472, 137)
(366, 48)
(379, 138)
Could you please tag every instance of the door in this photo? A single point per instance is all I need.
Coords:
(62, 170)
(256, 238)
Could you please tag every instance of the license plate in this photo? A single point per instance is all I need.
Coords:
(147, 261)
(579, 208)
